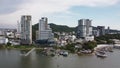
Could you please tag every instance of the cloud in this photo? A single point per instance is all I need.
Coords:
(8, 6)
(10, 11)
(51, 6)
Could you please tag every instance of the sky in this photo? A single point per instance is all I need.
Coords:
(61, 12)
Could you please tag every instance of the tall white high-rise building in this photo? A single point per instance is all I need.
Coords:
(84, 28)
(18, 27)
(45, 32)
(26, 29)
(43, 23)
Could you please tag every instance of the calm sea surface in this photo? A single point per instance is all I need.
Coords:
(13, 59)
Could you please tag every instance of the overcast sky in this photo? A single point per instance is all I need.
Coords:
(62, 12)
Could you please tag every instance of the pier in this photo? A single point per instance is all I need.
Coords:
(29, 52)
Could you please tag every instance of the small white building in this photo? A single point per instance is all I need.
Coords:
(3, 40)
(89, 38)
(78, 40)
(15, 42)
(117, 41)
(10, 34)
(17, 35)
(62, 43)
(73, 38)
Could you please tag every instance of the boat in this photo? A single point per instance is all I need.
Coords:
(101, 52)
(65, 53)
(86, 51)
(110, 50)
(53, 54)
(101, 55)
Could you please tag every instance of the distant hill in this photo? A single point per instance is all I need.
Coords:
(55, 28)
(61, 28)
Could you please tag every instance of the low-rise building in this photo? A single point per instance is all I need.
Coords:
(116, 41)
(3, 40)
(95, 33)
(89, 38)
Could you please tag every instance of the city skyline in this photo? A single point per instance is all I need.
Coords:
(68, 12)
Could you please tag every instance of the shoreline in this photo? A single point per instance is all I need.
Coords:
(27, 48)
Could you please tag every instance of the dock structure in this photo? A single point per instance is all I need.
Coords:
(29, 52)
(103, 46)
(117, 46)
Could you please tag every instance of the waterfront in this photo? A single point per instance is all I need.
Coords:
(13, 59)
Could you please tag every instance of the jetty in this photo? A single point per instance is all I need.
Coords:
(28, 52)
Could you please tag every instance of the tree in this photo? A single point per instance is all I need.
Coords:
(110, 42)
(8, 44)
(89, 45)
(70, 47)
